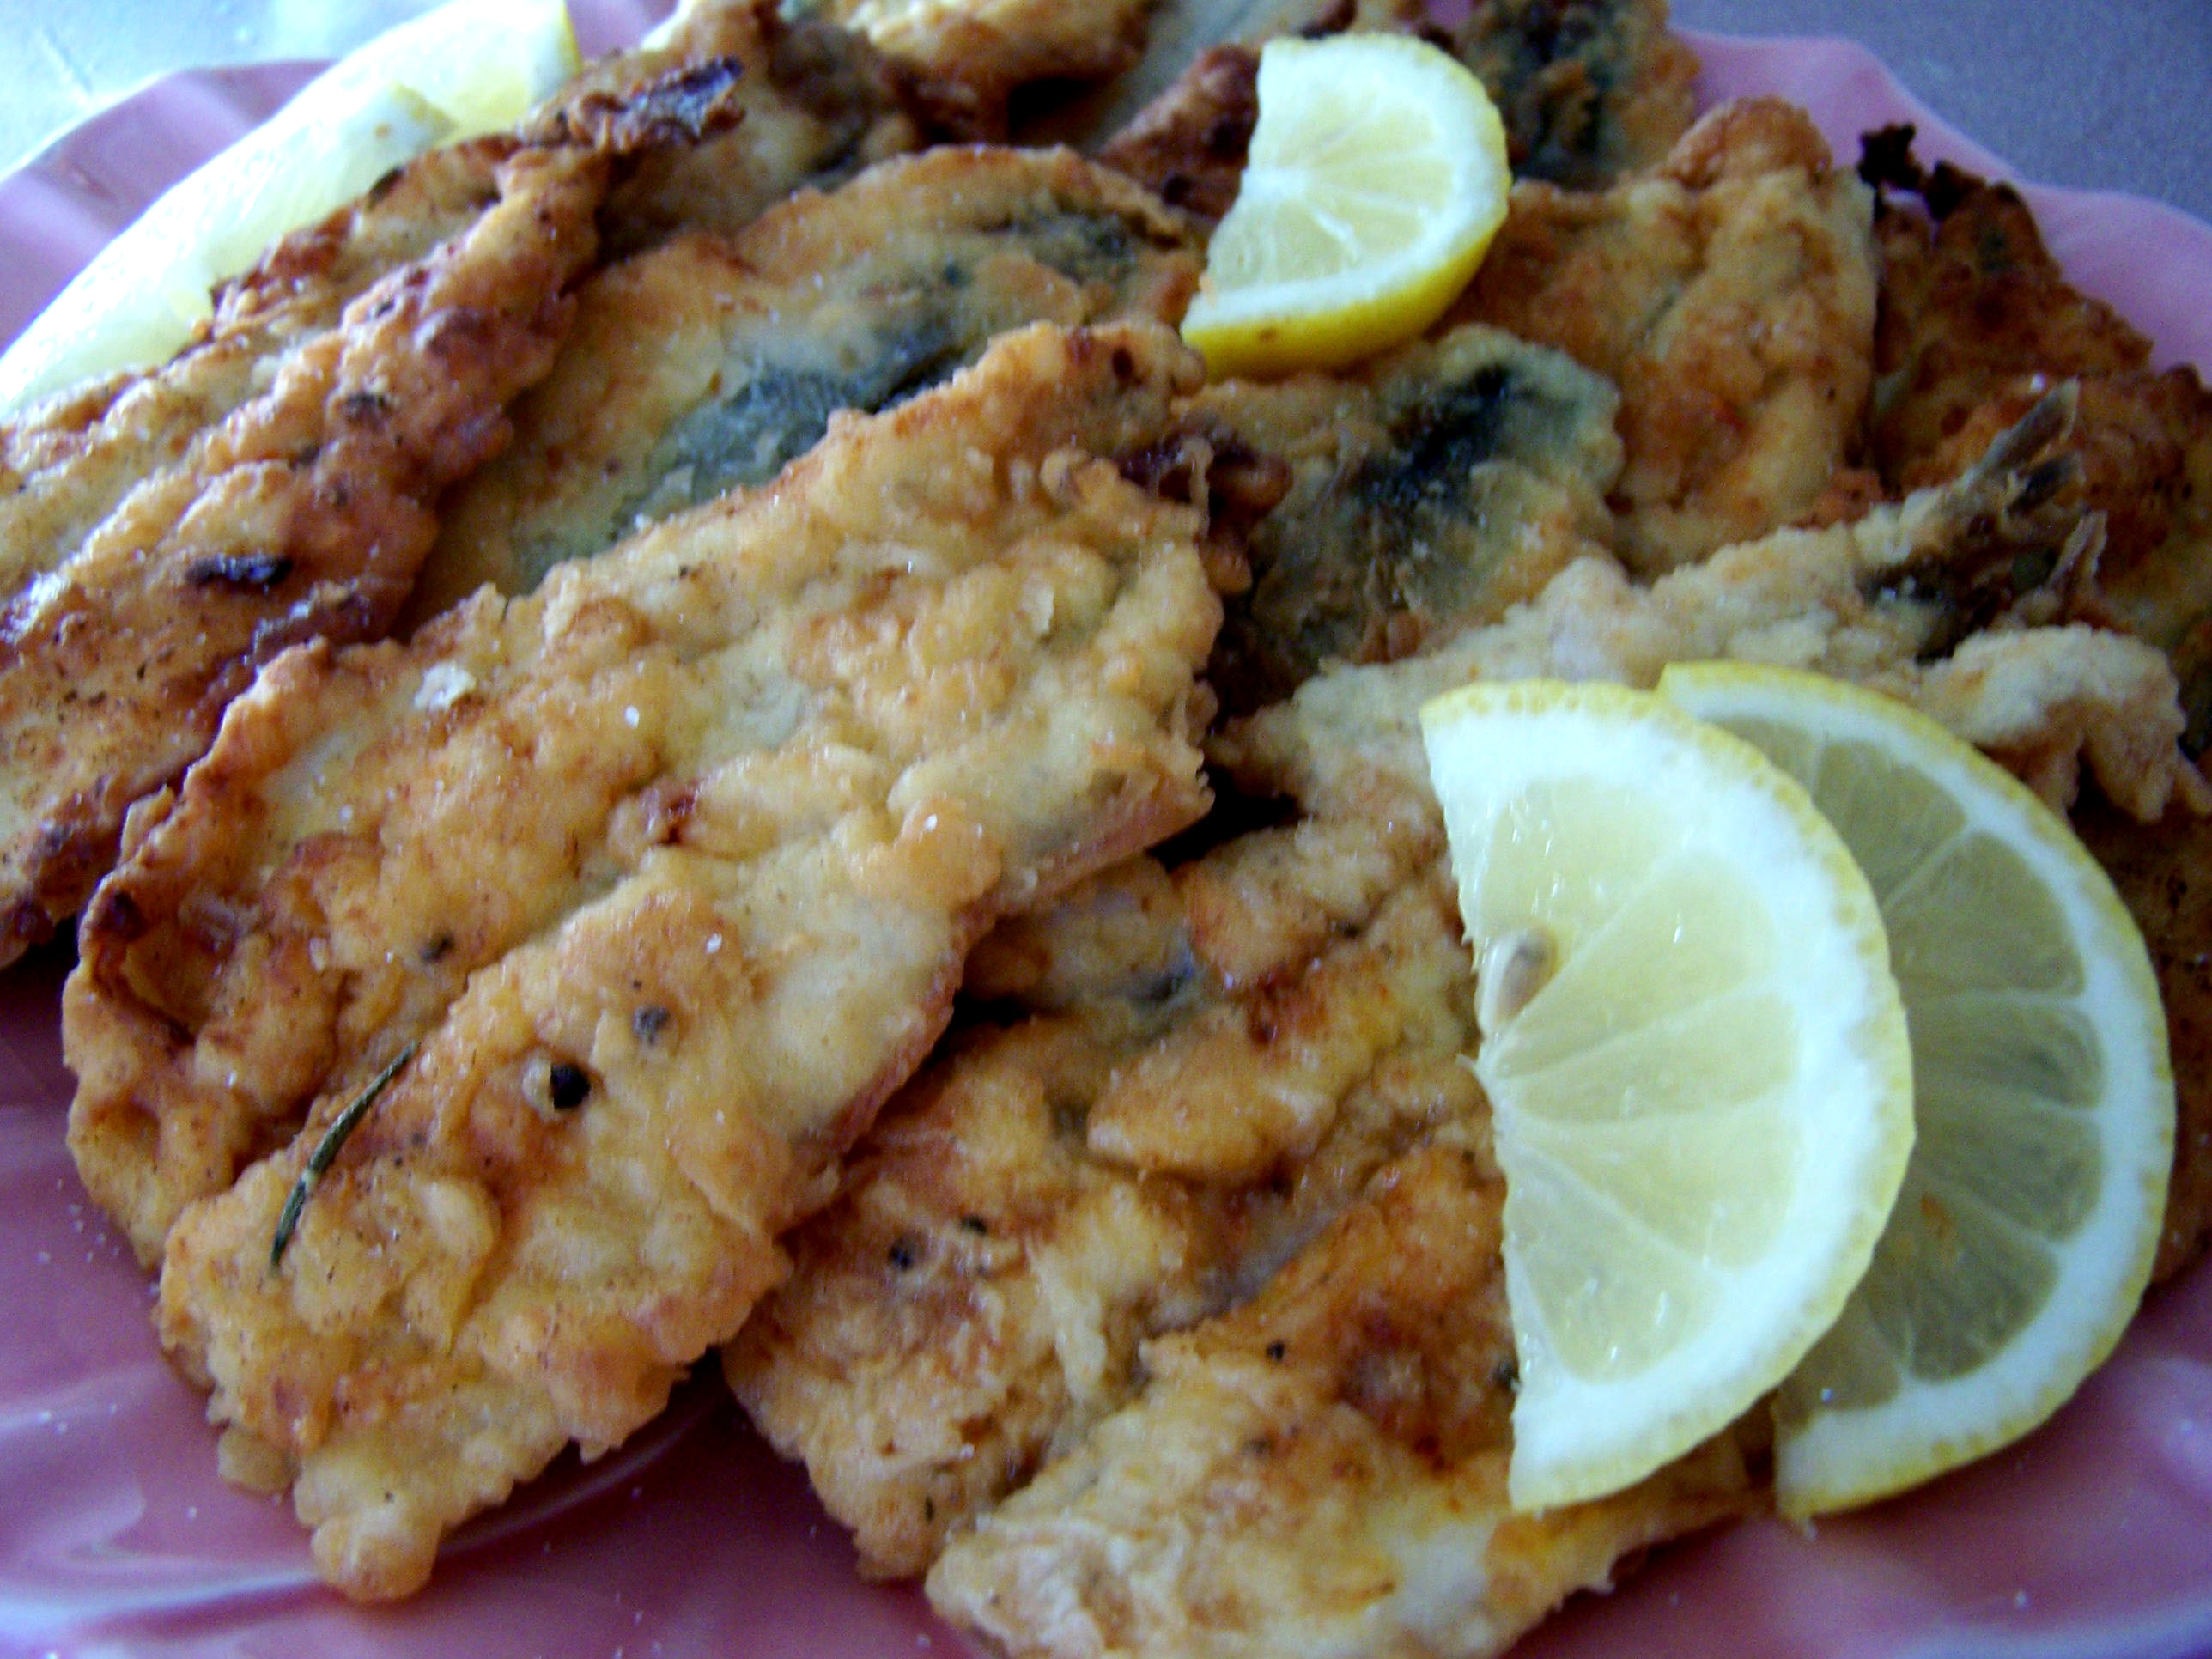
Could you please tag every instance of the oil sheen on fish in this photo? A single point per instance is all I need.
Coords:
(1730, 294)
(651, 886)
(1428, 491)
(708, 364)
(1169, 1315)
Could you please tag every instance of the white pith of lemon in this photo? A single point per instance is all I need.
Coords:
(2024, 1235)
(1376, 179)
(471, 67)
(1695, 1055)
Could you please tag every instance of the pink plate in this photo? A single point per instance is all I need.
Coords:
(2093, 1540)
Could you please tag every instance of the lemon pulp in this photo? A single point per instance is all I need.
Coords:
(1376, 179)
(2025, 1232)
(1695, 1056)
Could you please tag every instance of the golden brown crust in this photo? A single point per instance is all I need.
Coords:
(709, 362)
(1730, 295)
(668, 870)
(2164, 874)
(966, 59)
(66, 465)
(1323, 1468)
(1590, 91)
(1977, 323)
(303, 513)
(812, 103)
(1050, 1195)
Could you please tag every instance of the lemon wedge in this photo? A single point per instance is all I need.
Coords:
(471, 67)
(2045, 1097)
(1376, 181)
(1695, 1058)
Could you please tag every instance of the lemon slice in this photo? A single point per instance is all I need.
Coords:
(1696, 1059)
(468, 68)
(2045, 1099)
(1376, 179)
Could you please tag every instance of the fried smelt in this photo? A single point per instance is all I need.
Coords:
(1026, 1332)
(708, 364)
(1323, 1470)
(1591, 90)
(671, 869)
(65, 466)
(1428, 492)
(1049, 1196)
(302, 512)
(816, 104)
(1730, 294)
(966, 59)
(1976, 321)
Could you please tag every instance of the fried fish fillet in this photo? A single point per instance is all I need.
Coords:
(1193, 1274)
(708, 363)
(1591, 90)
(1323, 1470)
(634, 897)
(63, 467)
(815, 103)
(1977, 320)
(1426, 493)
(303, 511)
(277, 481)
(969, 57)
(1588, 90)
(1730, 294)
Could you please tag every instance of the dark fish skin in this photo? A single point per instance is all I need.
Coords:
(709, 364)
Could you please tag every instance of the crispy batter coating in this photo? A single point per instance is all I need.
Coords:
(1427, 492)
(1050, 1195)
(708, 363)
(669, 869)
(1589, 90)
(277, 481)
(816, 104)
(2164, 874)
(969, 57)
(305, 511)
(66, 465)
(1149, 1307)
(1730, 294)
(1322, 1471)
(1976, 321)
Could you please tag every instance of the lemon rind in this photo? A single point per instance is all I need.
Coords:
(1844, 1458)
(1716, 1376)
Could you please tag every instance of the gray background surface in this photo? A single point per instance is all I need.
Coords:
(2112, 94)
(2108, 94)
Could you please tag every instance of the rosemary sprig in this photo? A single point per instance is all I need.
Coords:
(326, 1151)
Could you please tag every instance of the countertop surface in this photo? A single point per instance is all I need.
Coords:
(2106, 93)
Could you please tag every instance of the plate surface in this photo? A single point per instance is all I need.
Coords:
(2092, 1539)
